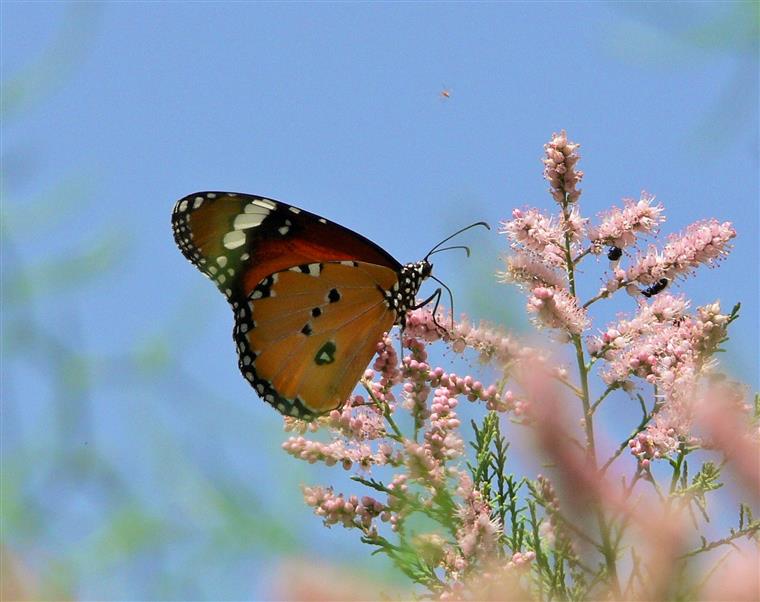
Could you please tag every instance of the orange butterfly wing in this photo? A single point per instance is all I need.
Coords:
(308, 333)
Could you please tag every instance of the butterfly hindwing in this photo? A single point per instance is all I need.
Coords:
(307, 333)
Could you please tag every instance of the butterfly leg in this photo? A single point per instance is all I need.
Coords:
(437, 296)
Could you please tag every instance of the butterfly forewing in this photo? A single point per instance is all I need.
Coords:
(239, 239)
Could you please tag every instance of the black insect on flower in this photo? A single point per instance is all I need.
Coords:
(657, 287)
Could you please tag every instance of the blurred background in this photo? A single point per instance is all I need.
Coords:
(136, 462)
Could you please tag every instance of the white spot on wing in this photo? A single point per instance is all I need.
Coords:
(265, 204)
(251, 208)
(295, 210)
(244, 221)
(221, 260)
(183, 205)
(234, 239)
(283, 230)
(198, 202)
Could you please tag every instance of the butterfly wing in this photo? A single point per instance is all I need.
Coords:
(308, 294)
(238, 239)
(307, 333)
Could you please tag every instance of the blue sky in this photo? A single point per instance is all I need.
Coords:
(335, 107)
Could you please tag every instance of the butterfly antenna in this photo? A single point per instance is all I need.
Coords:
(451, 297)
(456, 234)
(466, 250)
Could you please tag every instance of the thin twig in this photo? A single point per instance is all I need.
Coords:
(609, 390)
(706, 547)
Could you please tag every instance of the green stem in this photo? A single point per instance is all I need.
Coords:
(608, 551)
(397, 435)
(609, 390)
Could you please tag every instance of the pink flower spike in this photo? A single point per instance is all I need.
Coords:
(702, 242)
(559, 168)
(620, 227)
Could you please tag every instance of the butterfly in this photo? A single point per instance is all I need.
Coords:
(311, 298)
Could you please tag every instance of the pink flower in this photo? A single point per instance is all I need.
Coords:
(559, 168)
(473, 389)
(556, 308)
(477, 536)
(349, 512)
(357, 422)
(574, 225)
(521, 560)
(662, 343)
(534, 233)
(316, 451)
(664, 309)
(527, 272)
(442, 436)
(620, 227)
(423, 466)
(702, 243)
(492, 344)
(416, 374)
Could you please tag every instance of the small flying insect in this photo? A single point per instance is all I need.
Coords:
(445, 93)
(657, 287)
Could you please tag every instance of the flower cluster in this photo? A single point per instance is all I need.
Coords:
(349, 512)
(703, 243)
(482, 535)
